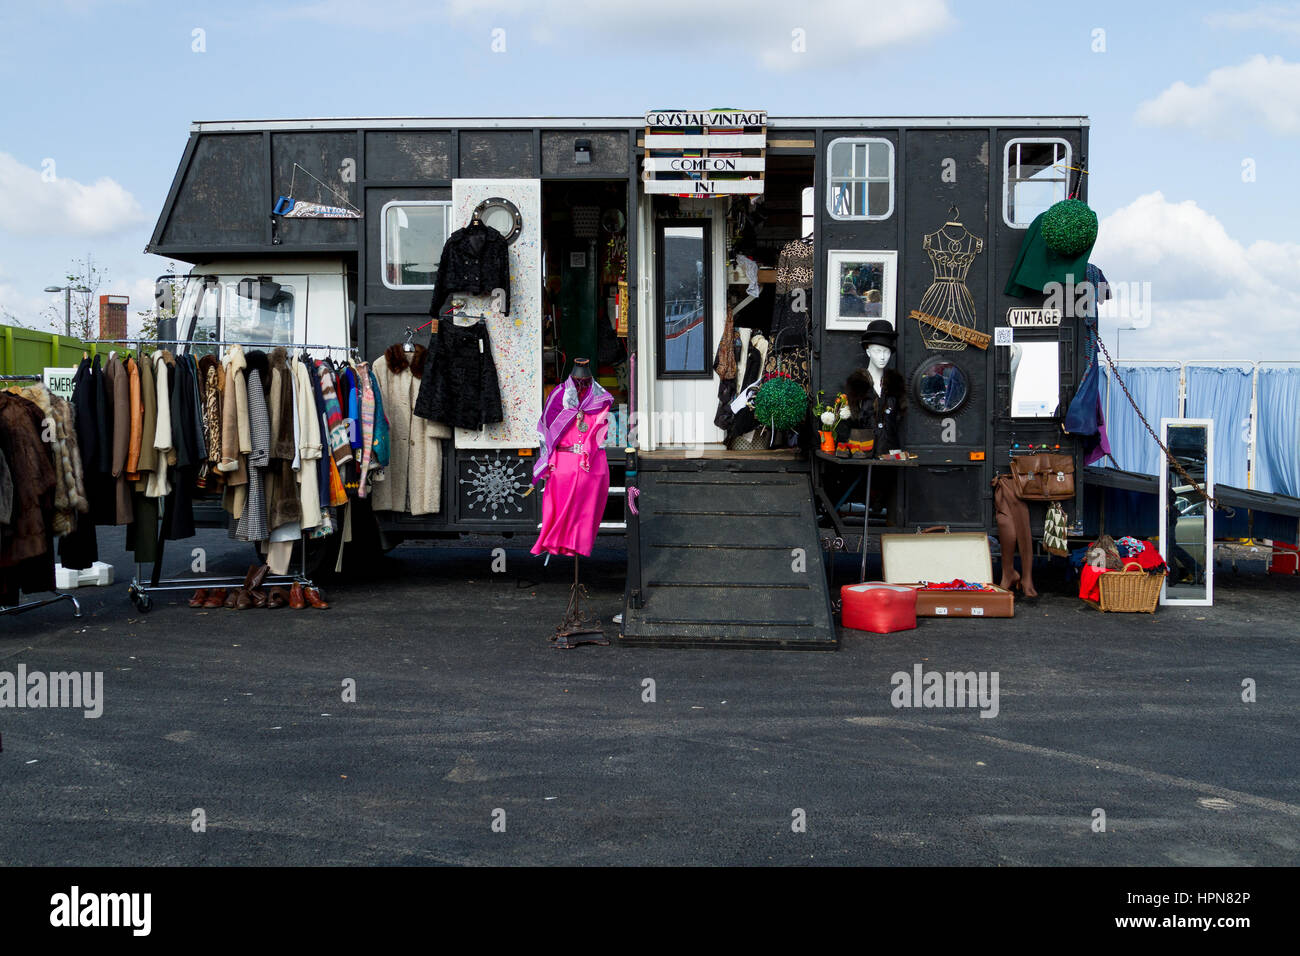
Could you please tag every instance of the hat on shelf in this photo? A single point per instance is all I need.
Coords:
(880, 332)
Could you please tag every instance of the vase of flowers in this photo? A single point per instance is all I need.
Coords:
(830, 415)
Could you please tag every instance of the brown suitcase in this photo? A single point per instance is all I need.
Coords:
(930, 556)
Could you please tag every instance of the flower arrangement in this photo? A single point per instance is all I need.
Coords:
(831, 414)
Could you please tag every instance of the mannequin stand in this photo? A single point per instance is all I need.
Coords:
(575, 623)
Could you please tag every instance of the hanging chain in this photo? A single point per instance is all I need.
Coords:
(1178, 468)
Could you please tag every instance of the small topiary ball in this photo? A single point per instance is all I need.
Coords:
(1069, 228)
(782, 403)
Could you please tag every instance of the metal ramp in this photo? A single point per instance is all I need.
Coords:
(724, 556)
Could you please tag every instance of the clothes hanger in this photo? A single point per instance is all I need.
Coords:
(954, 212)
(407, 344)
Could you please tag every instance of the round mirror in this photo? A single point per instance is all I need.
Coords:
(940, 386)
(613, 220)
(502, 215)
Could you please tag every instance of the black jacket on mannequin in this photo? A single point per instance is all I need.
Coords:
(876, 416)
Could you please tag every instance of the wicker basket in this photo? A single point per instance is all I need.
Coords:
(1133, 592)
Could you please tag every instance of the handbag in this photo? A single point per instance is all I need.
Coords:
(1054, 531)
(1043, 477)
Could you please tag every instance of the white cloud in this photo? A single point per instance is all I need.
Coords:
(1261, 91)
(752, 30)
(42, 203)
(1212, 296)
(1272, 18)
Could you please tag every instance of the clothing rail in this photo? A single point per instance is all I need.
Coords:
(141, 586)
(287, 346)
(32, 605)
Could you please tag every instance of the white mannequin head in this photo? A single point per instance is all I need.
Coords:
(879, 356)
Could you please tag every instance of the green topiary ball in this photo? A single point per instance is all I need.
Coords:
(1069, 228)
(781, 403)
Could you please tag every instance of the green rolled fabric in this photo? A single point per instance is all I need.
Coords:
(1037, 266)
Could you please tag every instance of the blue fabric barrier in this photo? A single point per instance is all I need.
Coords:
(1277, 439)
(1223, 395)
(1155, 389)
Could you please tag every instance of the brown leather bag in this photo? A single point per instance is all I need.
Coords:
(1043, 477)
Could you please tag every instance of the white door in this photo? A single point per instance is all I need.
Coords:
(683, 281)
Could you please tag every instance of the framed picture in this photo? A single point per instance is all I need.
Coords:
(860, 288)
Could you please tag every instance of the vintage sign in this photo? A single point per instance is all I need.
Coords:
(679, 118)
(704, 153)
(1033, 318)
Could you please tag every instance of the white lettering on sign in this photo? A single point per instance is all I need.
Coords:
(674, 119)
(1033, 318)
(703, 187)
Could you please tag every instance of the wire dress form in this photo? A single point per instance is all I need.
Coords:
(948, 298)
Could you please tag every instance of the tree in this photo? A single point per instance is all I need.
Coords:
(82, 275)
(166, 302)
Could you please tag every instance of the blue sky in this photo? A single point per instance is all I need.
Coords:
(1181, 96)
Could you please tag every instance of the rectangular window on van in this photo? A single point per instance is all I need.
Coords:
(1034, 178)
(684, 291)
(860, 178)
(411, 242)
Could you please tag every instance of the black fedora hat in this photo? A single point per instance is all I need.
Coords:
(880, 332)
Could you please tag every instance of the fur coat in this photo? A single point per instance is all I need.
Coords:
(65, 455)
(879, 417)
(413, 479)
(33, 475)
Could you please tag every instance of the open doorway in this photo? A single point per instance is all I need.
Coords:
(710, 259)
(584, 295)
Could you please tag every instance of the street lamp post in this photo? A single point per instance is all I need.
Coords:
(67, 291)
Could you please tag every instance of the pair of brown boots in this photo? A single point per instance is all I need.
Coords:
(252, 595)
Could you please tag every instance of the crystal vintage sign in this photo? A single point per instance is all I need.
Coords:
(704, 153)
(732, 118)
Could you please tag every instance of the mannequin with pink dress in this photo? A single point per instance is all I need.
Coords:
(572, 463)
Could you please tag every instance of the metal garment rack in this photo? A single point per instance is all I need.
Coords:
(6, 610)
(139, 590)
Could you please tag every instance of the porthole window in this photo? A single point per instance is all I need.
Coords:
(940, 386)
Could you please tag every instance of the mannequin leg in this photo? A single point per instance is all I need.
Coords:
(1006, 534)
(1026, 548)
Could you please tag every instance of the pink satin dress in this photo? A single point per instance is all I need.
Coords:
(573, 498)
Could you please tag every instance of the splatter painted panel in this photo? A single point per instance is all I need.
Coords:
(517, 337)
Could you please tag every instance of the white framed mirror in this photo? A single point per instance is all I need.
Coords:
(1035, 379)
(1186, 518)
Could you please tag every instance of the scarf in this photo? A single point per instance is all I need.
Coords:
(562, 407)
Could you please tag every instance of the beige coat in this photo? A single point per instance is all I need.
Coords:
(157, 485)
(236, 435)
(309, 446)
(413, 479)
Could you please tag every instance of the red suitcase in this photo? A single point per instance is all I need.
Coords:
(878, 607)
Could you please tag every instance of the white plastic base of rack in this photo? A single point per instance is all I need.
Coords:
(97, 575)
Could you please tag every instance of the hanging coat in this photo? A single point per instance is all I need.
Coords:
(117, 379)
(413, 478)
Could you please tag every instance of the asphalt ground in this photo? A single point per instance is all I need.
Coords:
(473, 741)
